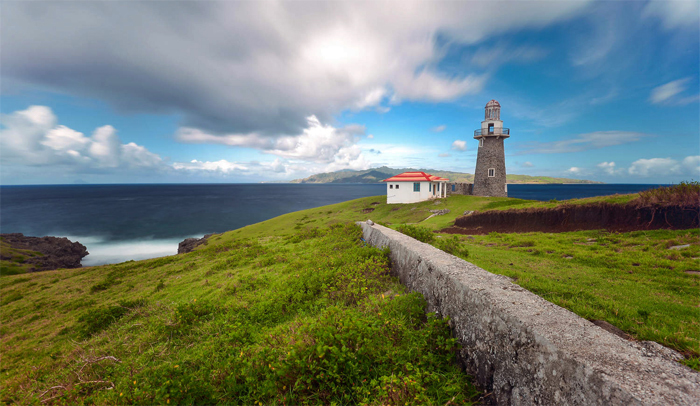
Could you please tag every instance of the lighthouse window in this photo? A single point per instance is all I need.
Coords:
(490, 128)
(481, 142)
(416, 187)
(492, 172)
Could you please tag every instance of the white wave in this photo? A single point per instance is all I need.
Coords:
(103, 251)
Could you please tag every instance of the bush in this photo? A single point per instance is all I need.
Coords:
(94, 321)
(452, 245)
(685, 193)
(421, 234)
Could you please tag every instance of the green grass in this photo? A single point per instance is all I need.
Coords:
(290, 311)
(13, 259)
(305, 317)
(631, 280)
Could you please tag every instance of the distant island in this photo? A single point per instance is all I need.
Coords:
(376, 175)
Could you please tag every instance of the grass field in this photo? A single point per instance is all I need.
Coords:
(308, 317)
(290, 311)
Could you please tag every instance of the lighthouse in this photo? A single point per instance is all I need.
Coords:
(490, 172)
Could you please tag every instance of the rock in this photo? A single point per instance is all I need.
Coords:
(468, 213)
(189, 244)
(440, 212)
(370, 222)
(679, 247)
(57, 252)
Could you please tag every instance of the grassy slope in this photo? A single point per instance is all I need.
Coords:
(293, 317)
(630, 280)
(243, 276)
(16, 264)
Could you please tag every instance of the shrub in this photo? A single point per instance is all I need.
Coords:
(94, 321)
(685, 193)
(104, 284)
(452, 245)
(421, 234)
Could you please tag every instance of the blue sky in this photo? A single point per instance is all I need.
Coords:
(131, 92)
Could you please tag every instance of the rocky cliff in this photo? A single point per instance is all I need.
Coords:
(53, 252)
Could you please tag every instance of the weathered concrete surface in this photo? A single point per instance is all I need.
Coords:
(526, 350)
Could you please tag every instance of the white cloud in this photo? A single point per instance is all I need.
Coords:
(654, 167)
(106, 146)
(527, 164)
(674, 13)
(582, 142)
(444, 155)
(370, 136)
(691, 165)
(439, 128)
(63, 138)
(459, 145)
(607, 167)
(665, 92)
(32, 137)
(223, 166)
(574, 170)
(317, 142)
(318, 59)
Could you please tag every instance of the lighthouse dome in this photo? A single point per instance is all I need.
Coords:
(493, 103)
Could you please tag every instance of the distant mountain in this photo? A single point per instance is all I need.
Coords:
(376, 175)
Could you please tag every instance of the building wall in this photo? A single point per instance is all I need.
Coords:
(490, 155)
(405, 193)
(460, 188)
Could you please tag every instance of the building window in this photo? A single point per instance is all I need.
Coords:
(438, 187)
(397, 186)
(391, 186)
(453, 188)
(430, 187)
(416, 187)
(481, 142)
(492, 172)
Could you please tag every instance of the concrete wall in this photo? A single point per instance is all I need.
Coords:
(525, 350)
(405, 193)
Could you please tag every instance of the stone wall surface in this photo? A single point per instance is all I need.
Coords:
(461, 188)
(490, 155)
(525, 350)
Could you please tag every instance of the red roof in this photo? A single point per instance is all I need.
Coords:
(493, 103)
(414, 177)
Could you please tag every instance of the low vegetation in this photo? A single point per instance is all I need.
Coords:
(308, 317)
(683, 194)
(298, 310)
(13, 260)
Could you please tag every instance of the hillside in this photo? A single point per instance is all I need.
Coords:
(376, 175)
(297, 310)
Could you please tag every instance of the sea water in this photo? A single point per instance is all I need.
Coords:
(121, 222)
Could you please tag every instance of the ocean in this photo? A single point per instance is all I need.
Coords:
(122, 222)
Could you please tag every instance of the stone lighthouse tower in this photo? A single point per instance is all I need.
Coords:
(490, 173)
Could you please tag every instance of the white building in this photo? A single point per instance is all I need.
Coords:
(412, 187)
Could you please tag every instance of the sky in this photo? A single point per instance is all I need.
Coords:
(232, 92)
